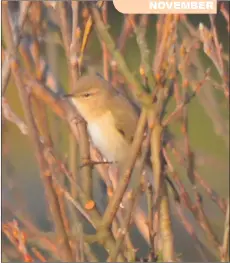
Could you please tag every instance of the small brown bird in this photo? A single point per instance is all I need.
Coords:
(111, 118)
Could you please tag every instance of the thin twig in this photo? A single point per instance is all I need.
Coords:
(140, 32)
(11, 116)
(125, 227)
(161, 191)
(22, 19)
(104, 47)
(225, 13)
(225, 244)
(124, 180)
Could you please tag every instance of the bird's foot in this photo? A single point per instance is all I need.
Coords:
(92, 163)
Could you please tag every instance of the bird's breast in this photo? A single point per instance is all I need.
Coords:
(107, 138)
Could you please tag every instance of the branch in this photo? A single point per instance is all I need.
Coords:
(140, 32)
(161, 191)
(22, 18)
(124, 180)
(225, 245)
(11, 116)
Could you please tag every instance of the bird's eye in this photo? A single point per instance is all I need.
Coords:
(86, 95)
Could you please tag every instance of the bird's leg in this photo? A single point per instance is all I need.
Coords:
(92, 163)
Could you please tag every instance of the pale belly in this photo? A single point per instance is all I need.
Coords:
(111, 143)
(107, 139)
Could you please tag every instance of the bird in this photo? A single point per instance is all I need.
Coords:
(111, 118)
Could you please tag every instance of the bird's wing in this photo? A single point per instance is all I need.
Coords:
(125, 120)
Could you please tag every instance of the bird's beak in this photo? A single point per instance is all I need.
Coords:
(68, 95)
